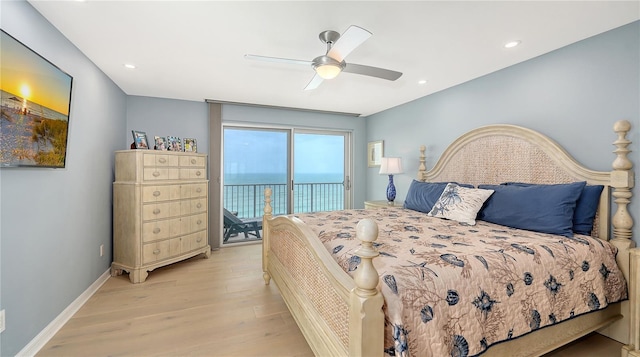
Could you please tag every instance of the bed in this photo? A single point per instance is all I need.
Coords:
(340, 311)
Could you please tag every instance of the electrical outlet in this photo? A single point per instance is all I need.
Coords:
(101, 249)
(1, 320)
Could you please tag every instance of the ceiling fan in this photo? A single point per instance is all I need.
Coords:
(328, 66)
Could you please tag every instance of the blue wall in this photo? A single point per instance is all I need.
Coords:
(53, 221)
(573, 95)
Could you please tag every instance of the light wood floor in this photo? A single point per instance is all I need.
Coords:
(206, 307)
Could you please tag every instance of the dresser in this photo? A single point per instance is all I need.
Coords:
(160, 201)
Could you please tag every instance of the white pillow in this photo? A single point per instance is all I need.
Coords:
(460, 203)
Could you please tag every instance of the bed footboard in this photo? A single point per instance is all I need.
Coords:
(337, 314)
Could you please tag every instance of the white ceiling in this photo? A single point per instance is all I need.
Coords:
(193, 50)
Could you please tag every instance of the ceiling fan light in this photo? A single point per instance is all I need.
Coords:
(328, 71)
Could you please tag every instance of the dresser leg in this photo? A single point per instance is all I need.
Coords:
(207, 254)
(138, 275)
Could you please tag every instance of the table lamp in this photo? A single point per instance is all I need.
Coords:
(391, 166)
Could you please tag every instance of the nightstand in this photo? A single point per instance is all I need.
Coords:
(381, 203)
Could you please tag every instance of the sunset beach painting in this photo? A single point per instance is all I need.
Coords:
(35, 98)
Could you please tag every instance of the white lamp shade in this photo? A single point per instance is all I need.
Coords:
(390, 166)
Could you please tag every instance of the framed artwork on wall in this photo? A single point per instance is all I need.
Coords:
(190, 145)
(375, 151)
(140, 139)
(35, 97)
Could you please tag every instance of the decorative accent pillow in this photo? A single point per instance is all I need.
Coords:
(586, 206)
(423, 195)
(460, 203)
(540, 208)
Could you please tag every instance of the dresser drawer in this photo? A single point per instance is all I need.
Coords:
(198, 190)
(193, 190)
(198, 205)
(194, 241)
(152, 252)
(198, 222)
(155, 230)
(156, 193)
(161, 173)
(152, 211)
(193, 161)
(160, 160)
(192, 174)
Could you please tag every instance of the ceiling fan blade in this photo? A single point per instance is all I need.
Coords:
(276, 59)
(372, 71)
(350, 39)
(315, 82)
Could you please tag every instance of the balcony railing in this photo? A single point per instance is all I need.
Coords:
(248, 199)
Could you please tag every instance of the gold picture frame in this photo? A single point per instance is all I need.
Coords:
(375, 151)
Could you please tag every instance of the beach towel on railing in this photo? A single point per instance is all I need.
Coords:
(454, 290)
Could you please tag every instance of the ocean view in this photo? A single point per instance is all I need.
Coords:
(244, 193)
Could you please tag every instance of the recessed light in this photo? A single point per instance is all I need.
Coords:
(422, 81)
(129, 65)
(512, 44)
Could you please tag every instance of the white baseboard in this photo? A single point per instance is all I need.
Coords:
(48, 332)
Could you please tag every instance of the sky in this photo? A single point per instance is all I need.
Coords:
(262, 151)
(30, 76)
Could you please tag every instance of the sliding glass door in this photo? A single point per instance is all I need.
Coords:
(320, 171)
(307, 170)
(254, 159)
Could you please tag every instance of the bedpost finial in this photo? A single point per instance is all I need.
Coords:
(622, 125)
(367, 230)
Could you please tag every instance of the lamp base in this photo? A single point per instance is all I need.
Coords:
(391, 191)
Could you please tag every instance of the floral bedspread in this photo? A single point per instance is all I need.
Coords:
(454, 290)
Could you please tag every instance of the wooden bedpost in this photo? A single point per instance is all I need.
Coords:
(265, 233)
(366, 318)
(622, 181)
(422, 168)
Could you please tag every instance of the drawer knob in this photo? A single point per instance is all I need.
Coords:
(156, 211)
(162, 160)
(198, 190)
(156, 251)
(193, 161)
(156, 193)
(198, 173)
(199, 240)
(156, 173)
(156, 230)
(199, 222)
(199, 205)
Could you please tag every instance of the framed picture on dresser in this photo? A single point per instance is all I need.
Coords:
(161, 143)
(190, 145)
(174, 143)
(140, 139)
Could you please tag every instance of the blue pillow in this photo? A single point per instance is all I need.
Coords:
(586, 206)
(423, 195)
(540, 208)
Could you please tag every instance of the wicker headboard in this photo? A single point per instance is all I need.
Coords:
(500, 153)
